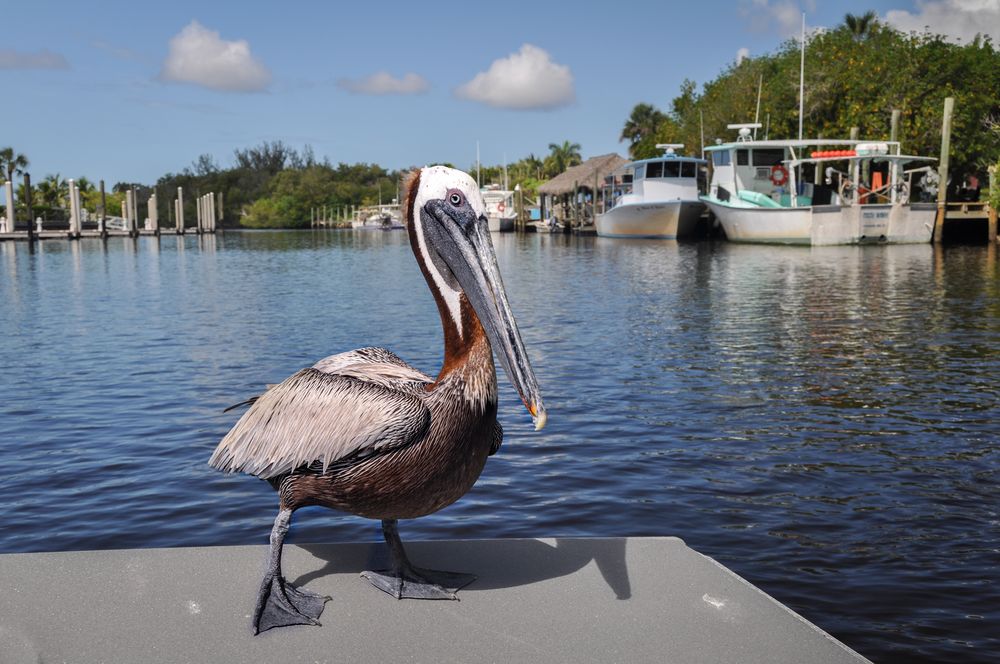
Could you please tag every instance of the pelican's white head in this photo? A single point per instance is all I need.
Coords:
(451, 239)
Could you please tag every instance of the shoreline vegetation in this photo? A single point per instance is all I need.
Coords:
(856, 74)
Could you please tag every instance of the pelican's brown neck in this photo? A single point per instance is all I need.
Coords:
(462, 329)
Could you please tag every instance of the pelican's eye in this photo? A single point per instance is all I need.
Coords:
(456, 199)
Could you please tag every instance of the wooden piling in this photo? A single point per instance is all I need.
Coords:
(29, 207)
(991, 223)
(9, 192)
(102, 216)
(220, 222)
(942, 198)
(154, 214)
(180, 210)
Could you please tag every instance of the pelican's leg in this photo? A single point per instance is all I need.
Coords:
(407, 581)
(279, 603)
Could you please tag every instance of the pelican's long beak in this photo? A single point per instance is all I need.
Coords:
(463, 241)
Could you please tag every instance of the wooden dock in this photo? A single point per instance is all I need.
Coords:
(536, 600)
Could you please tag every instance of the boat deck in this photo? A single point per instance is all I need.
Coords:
(559, 600)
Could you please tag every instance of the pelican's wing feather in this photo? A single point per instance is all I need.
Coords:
(317, 419)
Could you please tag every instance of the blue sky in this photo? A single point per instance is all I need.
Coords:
(132, 90)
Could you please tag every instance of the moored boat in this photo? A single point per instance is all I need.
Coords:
(654, 198)
(816, 192)
(500, 212)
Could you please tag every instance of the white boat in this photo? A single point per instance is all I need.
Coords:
(654, 198)
(767, 192)
(500, 211)
(380, 217)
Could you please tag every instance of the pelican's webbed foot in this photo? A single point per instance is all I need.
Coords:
(417, 583)
(407, 581)
(279, 603)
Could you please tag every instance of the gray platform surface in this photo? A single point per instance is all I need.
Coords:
(560, 600)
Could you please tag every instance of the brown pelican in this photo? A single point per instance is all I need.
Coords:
(366, 433)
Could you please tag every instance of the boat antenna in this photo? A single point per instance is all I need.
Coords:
(756, 116)
(802, 73)
(478, 181)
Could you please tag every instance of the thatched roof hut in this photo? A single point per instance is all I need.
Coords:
(582, 175)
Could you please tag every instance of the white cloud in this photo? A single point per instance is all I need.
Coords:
(11, 59)
(742, 55)
(200, 56)
(783, 16)
(383, 83)
(524, 80)
(958, 19)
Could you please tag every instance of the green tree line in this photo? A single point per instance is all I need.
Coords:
(270, 185)
(855, 75)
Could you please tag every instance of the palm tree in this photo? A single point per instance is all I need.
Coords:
(84, 185)
(643, 122)
(861, 26)
(563, 156)
(12, 163)
(52, 191)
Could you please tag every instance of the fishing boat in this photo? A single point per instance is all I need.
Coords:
(500, 212)
(654, 198)
(817, 191)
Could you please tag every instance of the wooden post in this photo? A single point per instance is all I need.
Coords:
(817, 169)
(29, 207)
(102, 219)
(74, 210)
(576, 202)
(9, 191)
(894, 127)
(220, 208)
(180, 210)
(199, 204)
(127, 212)
(134, 212)
(854, 133)
(593, 201)
(942, 198)
(154, 214)
(992, 211)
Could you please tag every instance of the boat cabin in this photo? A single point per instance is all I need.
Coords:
(801, 173)
(665, 178)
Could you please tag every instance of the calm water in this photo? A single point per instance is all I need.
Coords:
(822, 421)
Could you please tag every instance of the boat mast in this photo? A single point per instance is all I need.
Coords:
(802, 72)
(478, 180)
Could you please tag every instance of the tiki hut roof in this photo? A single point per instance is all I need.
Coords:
(583, 174)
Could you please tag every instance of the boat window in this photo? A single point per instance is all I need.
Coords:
(720, 158)
(654, 169)
(627, 178)
(640, 172)
(743, 157)
(671, 169)
(768, 156)
(689, 169)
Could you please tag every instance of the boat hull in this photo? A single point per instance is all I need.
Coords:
(666, 220)
(826, 224)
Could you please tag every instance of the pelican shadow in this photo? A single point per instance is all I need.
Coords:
(498, 563)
